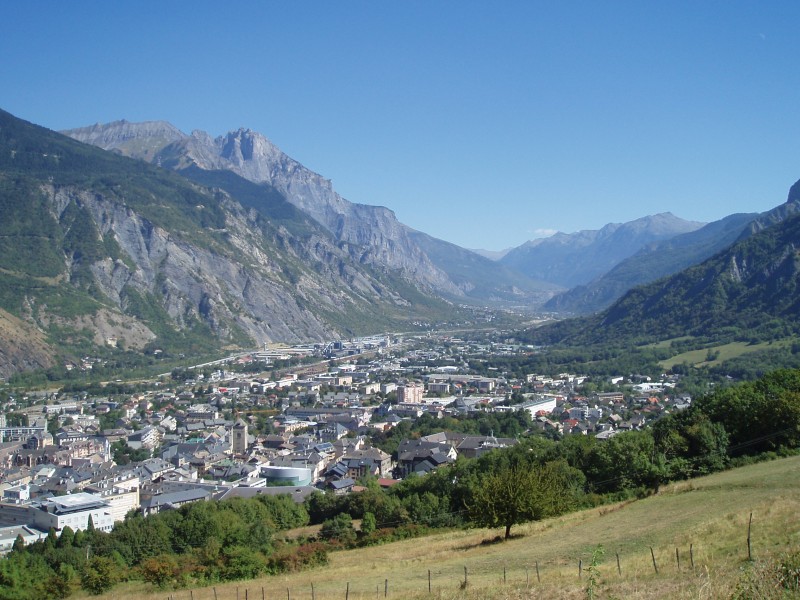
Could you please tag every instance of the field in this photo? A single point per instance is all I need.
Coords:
(723, 352)
(705, 519)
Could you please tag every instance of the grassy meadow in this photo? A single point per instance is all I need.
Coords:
(708, 514)
(723, 352)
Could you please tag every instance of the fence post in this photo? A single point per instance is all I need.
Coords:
(215, 593)
(429, 581)
(580, 568)
(504, 574)
(749, 524)
(465, 576)
(385, 588)
(538, 579)
(527, 577)
(347, 592)
(678, 559)
(313, 596)
(619, 570)
(653, 554)
(691, 555)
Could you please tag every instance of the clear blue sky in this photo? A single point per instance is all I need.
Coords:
(481, 123)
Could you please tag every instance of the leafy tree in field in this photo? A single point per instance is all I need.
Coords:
(519, 493)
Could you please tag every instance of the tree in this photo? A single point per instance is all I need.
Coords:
(368, 523)
(339, 528)
(99, 575)
(519, 493)
(160, 570)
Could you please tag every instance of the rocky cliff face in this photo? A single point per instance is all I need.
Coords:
(98, 248)
(373, 232)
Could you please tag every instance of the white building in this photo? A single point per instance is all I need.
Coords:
(74, 511)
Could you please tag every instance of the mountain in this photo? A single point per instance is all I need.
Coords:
(652, 262)
(750, 290)
(575, 259)
(481, 278)
(98, 250)
(385, 241)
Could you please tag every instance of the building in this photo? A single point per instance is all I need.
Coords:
(410, 393)
(74, 511)
(8, 535)
(239, 437)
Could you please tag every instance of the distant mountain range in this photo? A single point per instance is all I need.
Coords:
(749, 290)
(383, 240)
(98, 249)
(575, 259)
(159, 240)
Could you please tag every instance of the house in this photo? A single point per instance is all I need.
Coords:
(411, 453)
(341, 487)
(173, 500)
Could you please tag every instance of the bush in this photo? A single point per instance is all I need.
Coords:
(297, 558)
(159, 570)
(99, 575)
(339, 528)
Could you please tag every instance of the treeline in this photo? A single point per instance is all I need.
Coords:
(205, 542)
(201, 543)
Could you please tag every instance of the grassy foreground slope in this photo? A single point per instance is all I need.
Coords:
(711, 514)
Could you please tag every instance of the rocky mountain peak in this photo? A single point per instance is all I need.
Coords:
(139, 140)
(382, 239)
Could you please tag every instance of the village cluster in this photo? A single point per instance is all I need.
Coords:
(223, 431)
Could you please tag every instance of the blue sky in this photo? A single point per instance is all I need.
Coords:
(482, 123)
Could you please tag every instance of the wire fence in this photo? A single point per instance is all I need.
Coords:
(585, 571)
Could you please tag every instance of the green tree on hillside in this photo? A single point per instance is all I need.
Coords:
(520, 493)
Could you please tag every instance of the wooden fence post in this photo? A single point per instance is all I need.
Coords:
(749, 524)
(691, 555)
(347, 592)
(313, 595)
(504, 574)
(653, 554)
(538, 579)
(619, 570)
(465, 576)
(429, 581)
(385, 588)
(580, 568)
(215, 593)
(678, 559)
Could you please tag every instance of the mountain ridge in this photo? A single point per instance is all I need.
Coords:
(575, 259)
(254, 157)
(748, 290)
(94, 243)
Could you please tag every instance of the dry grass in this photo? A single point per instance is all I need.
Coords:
(710, 513)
